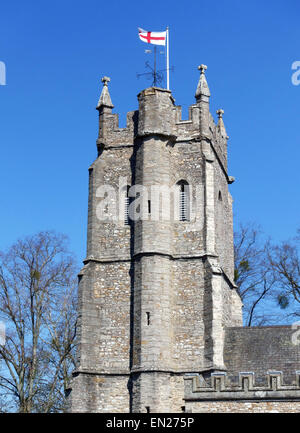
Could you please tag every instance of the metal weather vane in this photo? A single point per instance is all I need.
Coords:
(156, 38)
(156, 75)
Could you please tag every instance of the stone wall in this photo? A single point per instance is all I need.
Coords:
(108, 239)
(187, 164)
(152, 331)
(104, 320)
(223, 221)
(100, 393)
(188, 314)
(259, 406)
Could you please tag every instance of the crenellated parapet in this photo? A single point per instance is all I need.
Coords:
(187, 129)
(158, 113)
(219, 387)
(111, 135)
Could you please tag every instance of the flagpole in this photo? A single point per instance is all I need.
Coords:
(154, 81)
(168, 68)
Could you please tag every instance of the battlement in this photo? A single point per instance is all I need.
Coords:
(218, 386)
(158, 114)
(110, 135)
(186, 129)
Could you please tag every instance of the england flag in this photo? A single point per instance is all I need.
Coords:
(155, 38)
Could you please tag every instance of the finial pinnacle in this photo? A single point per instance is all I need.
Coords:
(221, 125)
(105, 80)
(202, 68)
(220, 113)
(202, 88)
(105, 100)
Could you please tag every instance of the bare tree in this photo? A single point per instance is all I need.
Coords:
(37, 305)
(253, 274)
(285, 262)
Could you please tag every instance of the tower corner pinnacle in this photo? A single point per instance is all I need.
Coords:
(105, 99)
(221, 125)
(202, 88)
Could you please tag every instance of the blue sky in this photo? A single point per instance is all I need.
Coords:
(56, 53)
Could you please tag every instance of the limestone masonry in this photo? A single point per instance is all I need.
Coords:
(160, 318)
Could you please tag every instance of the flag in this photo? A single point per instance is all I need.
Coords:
(155, 38)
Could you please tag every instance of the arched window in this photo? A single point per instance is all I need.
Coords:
(184, 200)
(220, 196)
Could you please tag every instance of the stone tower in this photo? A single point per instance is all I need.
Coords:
(156, 292)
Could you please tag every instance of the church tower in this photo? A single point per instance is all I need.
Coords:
(157, 291)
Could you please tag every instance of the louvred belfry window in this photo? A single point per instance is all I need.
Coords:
(184, 201)
(126, 204)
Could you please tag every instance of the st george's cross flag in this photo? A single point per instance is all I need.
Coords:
(156, 38)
